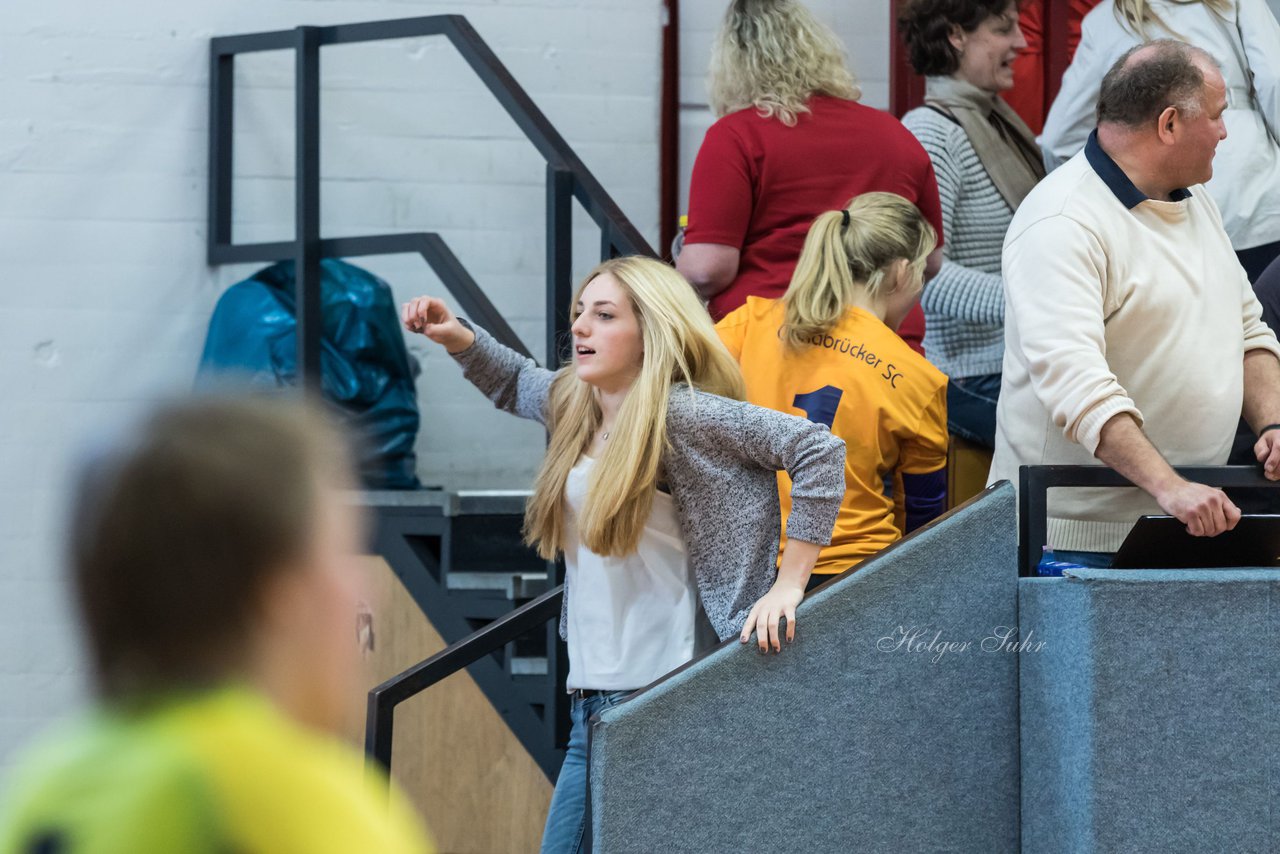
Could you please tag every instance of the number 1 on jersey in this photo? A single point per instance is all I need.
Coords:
(820, 406)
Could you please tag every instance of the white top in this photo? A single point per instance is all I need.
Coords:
(1246, 170)
(1113, 309)
(631, 619)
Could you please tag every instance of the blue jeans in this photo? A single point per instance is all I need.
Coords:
(971, 408)
(1094, 560)
(567, 818)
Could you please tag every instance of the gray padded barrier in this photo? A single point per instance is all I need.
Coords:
(1149, 716)
(851, 739)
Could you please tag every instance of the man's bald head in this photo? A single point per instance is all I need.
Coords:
(1149, 78)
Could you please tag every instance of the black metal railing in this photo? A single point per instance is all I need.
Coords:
(380, 720)
(1034, 483)
(567, 179)
(424, 550)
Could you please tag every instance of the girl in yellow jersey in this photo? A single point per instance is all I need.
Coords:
(213, 561)
(828, 351)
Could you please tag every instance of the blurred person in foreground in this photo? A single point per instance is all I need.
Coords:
(211, 558)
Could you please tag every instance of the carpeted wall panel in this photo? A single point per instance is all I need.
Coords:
(1148, 721)
(867, 734)
(1057, 729)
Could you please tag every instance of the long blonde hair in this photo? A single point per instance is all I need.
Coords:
(1136, 14)
(773, 55)
(680, 346)
(840, 260)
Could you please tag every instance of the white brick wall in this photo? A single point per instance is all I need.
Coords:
(102, 204)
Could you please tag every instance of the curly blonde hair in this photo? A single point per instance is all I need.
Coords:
(773, 55)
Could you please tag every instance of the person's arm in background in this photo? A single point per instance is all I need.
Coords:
(1267, 290)
(933, 263)
(1073, 114)
(924, 465)
(956, 291)
(709, 267)
(1261, 45)
(720, 206)
(1261, 375)
(1262, 407)
(925, 497)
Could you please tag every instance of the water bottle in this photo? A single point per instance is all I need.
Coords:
(1051, 567)
(677, 242)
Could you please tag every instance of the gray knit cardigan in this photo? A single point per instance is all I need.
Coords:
(721, 465)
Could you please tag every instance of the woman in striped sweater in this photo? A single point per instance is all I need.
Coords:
(986, 161)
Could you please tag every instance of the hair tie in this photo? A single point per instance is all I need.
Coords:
(844, 219)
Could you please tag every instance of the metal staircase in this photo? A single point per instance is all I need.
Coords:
(460, 556)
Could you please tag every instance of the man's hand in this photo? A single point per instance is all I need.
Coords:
(1262, 407)
(1205, 511)
(1267, 450)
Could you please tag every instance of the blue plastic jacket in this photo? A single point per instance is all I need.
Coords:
(365, 368)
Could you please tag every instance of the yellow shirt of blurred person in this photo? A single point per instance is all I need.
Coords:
(218, 772)
(860, 379)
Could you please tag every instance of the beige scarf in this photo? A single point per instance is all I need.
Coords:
(1004, 143)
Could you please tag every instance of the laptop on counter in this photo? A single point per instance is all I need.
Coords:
(1162, 542)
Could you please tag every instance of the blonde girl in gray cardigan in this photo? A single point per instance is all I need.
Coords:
(648, 422)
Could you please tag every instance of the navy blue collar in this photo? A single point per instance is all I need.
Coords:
(1115, 179)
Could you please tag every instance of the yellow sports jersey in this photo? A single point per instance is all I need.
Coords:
(208, 774)
(882, 398)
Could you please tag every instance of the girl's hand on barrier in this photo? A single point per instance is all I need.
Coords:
(429, 316)
(765, 616)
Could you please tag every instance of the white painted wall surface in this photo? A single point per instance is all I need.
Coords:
(106, 296)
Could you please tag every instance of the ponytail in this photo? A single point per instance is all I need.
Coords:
(847, 254)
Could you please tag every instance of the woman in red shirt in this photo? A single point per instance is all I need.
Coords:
(792, 141)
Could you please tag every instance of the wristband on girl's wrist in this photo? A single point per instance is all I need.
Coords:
(1268, 427)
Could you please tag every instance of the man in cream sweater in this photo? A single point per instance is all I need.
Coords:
(1132, 336)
